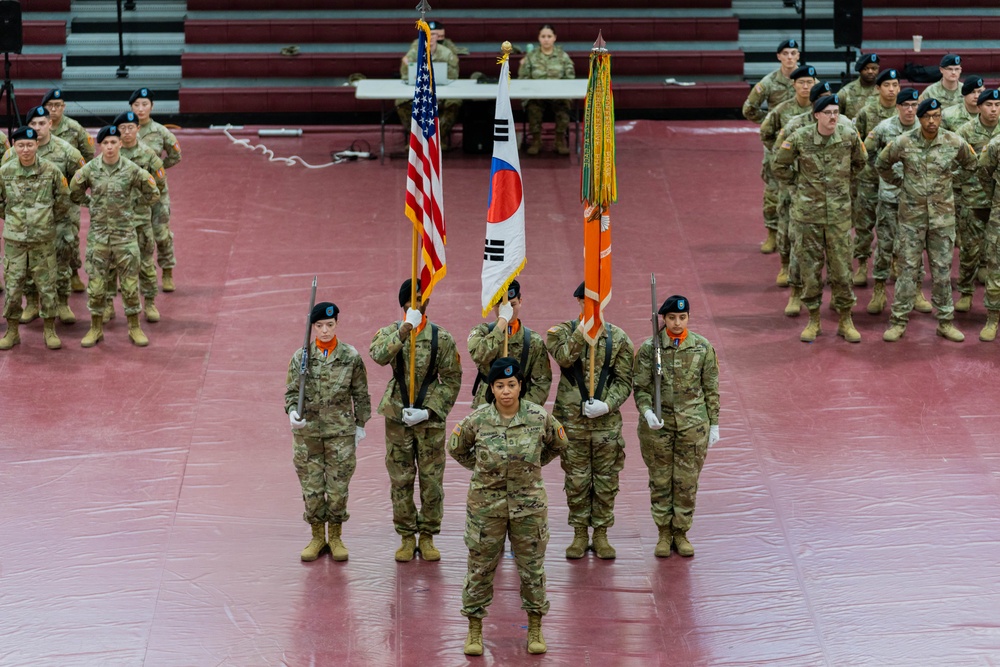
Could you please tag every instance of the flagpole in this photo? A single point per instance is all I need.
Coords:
(413, 302)
(506, 329)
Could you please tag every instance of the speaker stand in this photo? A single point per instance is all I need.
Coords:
(8, 90)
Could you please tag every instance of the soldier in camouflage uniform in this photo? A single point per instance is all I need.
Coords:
(988, 175)
(803, 80)
(448, 110)
(829, 157)
(326, 435)
(926, 214)
(947, 91)
(486, 345)
(865, 199)
(437, 29)
(772, 90)
(4, 142)
(165, 145)
(116, 184)
(956, 116)
(505, 444)
(972, 204)
(414, 434)
(596, 452)
(548, 61)
(33, 196)
(674, 445)
(855, 94)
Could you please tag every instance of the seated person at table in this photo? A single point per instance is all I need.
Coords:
(447, 109)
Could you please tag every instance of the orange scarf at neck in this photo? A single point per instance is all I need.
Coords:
(677, 340)
(326, 348)
(513, 327)
(420, 327)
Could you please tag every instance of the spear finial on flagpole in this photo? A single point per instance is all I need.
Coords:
(600, 44)
(423, 8)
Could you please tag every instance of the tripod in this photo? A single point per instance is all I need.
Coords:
(8, 89)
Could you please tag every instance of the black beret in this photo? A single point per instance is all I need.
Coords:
(513, 290)
(927, 105)
(866, 59)
(108, 131)
(125, 117)
(988, 95)
(581, 291)
(788, 44)
(35, 112)
(907, 95)
(951, 59)
(971, 83)
(141, 93)
(803, 71)
(886, 75)
(818, 90)
(504, 367)
(23, 133)
(404, 291)
(825, 101)
(435, 25)
(324, 310)
(54, 94)
(675, 304)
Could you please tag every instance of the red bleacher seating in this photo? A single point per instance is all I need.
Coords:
(36, 66)
(932, 27)
(44, 32)
(45, 5)
(291, 5)
(936, 4)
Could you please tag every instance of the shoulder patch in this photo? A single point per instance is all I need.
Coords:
(871, 135)
(90, 140)
(759, 89)
(159, 173)
(554, 329)
(786, 145)
(82, 162)
(151, 181)
(562, 433)
(177, 147)
(457, 431)
(65, 183)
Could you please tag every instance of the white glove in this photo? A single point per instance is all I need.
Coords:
(359, 434)
(413, 317)
(296, 421)
(595, 408)
(506, 312)
(413, 416)
(652, 421)
(713, 435)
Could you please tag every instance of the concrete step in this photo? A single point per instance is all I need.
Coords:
(140, 75)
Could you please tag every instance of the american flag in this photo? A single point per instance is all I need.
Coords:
(424, 195)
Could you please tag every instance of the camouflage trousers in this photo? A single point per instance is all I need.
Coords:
(828, 245)
(971, 227)
(105, 260)
(162, 234)
(783, 212)
(67, 243)
(148, 287)
(34, 260)
(991, 257)
(325, 467)
(864, 218)
(886, 222)
(535, 110)
(485, 537)
(674, 460)
(770, 204)
(794, 250)
(592, 462)
(911, 241)
(412, 452)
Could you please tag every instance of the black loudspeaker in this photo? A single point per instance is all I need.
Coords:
(848, 16)
(11, 33)
(477, 127)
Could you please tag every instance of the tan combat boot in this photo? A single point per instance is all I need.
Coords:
(989, 332)
(813, 328)
(64, 312)
(536, 642)
(30, 312)
(581, 540)
(683, 546)
(782, 279)
(946, 329)
(535, 147)
(770, 244)
(135, 331)
(474, 638)
(75, 283)
(845, 328)
(149, 308)
(860, 277)
(168, 280)
(427, 549)
(109, 311)
(49, 334)
(405, 551)
(95, 333)
(878, 302)
(894, 332)
(921, 304)
(337, 549)
(602, 547)
(664, 543)
(794, 305)
(964, 304)
(12, 337)
(316, 544)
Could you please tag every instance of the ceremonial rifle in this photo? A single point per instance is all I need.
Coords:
(304, 367)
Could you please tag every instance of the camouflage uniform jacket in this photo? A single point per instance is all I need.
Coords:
(927, 171)
(145, 157)
(568, 346)
(987, 168)
(336, 391)
(73, 133)
(537, 65)
(57, 151)
(32, 199)
(4, 143)
(946, 97)
(486, 346)
(774, 89)
(114, 189)
(866, 121)
(821, 186)
(955, 117)
(854, 97)
(441, 54)
(442, 390)
(778, 118)
(689, 382)
(161, 140)
(506, 459)
(883, 135)
(979, 137)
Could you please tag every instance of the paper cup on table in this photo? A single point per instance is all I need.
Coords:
(918, 40)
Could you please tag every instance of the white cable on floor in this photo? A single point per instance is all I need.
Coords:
(271, 157)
